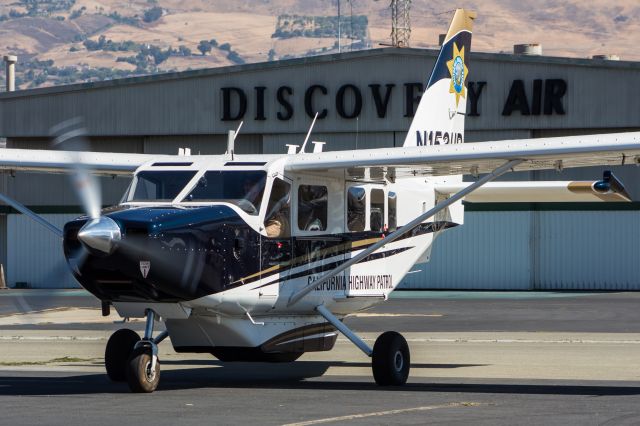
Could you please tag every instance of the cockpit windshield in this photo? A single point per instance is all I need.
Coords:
(159, 185)
(242, 188)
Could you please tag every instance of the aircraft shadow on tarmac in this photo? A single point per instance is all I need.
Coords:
(302, 366)
(282, 376)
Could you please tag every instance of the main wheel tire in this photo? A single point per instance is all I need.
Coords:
(140, 376)
(391, 359)
(117, 353)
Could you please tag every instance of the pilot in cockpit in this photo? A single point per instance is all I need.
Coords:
(276, 221)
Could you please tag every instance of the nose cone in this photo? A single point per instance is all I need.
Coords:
(100, 234)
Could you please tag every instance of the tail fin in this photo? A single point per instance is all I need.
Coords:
(440, 116)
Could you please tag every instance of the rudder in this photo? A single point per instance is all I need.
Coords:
(439, 119)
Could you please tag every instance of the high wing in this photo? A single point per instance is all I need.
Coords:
(101, 163)
(482, 157)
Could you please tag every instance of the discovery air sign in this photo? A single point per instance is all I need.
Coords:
(526, 98)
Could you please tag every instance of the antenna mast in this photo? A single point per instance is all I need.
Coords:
(400, 23)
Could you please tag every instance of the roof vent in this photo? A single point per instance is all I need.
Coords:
(528, 49)
(441, 38)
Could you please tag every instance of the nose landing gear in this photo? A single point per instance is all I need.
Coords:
(143, 370)
(134, 360)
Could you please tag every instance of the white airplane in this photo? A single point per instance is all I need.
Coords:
(261, 257)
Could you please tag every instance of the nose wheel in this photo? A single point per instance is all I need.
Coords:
(134, 360)
(143, 371)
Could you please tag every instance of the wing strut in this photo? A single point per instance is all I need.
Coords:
(295, 297)
(322, 310)
(24, 210)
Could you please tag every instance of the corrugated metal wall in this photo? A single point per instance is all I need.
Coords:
(3, 242)
(550, 250)
(35, 255)
(462, 257)
(588, 250)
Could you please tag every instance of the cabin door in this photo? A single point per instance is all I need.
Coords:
(276, 247)
(318, 226)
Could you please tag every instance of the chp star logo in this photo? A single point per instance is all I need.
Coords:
(458, 71)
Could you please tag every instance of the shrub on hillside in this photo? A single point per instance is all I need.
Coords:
(153, 14)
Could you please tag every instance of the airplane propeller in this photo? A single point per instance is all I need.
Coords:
(98, 234)
(71, 136)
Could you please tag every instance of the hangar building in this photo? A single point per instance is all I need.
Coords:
(366, 99)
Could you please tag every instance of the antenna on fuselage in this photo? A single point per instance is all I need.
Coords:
(238, 130)
(231, 139)
(308, 133)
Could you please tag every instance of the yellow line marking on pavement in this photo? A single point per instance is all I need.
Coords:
(382, 413)
(366, 315)
(519, 341)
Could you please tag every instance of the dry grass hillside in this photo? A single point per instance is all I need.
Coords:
(65, 41)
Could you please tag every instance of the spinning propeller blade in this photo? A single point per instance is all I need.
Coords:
(71, 136)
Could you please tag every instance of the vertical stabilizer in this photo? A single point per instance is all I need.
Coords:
(439, 119)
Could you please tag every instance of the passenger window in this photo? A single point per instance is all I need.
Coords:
(356, 208)
(276, 221)
(376, 218)
(312, 208)
(393, 212)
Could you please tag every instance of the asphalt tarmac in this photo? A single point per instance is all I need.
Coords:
(481, 358)
(607, 312)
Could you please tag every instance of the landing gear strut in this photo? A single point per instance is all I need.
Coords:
(390, 354)
(143, 367)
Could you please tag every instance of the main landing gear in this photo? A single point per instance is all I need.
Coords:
(390, 355)
(134, 360)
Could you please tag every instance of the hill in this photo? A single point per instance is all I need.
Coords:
(66, 41)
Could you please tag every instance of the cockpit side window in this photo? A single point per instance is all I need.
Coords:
(356, 208)
(243, 188)
(160, 185)
(312, 207)
(276, 222)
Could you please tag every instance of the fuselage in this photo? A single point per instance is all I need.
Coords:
(235, 239)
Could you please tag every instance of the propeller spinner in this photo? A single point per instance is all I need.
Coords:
(100, 234)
